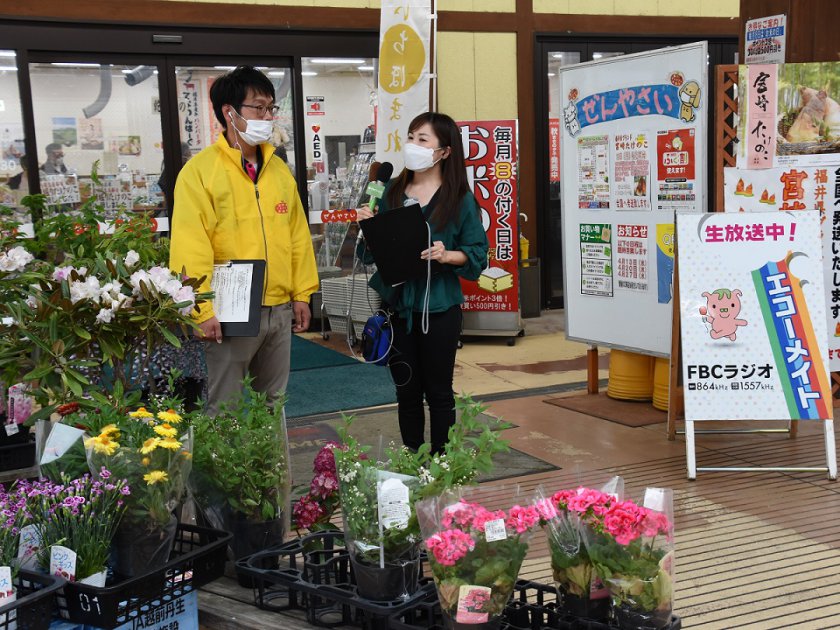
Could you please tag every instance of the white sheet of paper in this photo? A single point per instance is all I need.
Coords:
(232, 287)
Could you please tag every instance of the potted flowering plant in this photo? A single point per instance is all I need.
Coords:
(567, 517)
(314, 510)
(76, 519)
(632, 551)
(475, 554)
(381, 527)
(241, 475)
(151, 447)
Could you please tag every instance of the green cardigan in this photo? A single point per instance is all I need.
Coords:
(464, 233)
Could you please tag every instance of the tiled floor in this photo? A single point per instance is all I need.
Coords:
(754, 550)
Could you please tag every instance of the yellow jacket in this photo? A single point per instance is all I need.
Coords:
(220, 215)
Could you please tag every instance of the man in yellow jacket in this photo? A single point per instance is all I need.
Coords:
(237, 200)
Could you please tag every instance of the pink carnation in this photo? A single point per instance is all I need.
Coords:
(449, 546)
(522, 519)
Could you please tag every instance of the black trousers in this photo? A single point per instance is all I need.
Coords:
(422, 366)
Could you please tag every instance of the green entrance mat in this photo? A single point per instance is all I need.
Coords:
(338, 388)
(308, 355)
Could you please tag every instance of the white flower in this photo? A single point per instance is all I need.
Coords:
(31, 302)
(136, 278)
(85, 290)
(185, 294)
(131, 258)
(15, 259)
(171, 287)
(105, 316)
(159, 277)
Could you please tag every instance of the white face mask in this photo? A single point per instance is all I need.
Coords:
(417, 158)
(256, 131)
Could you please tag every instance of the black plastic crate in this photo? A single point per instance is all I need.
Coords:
(532, 606)
(313, 574)
(34, 607)
(198, 557)
(17, 455)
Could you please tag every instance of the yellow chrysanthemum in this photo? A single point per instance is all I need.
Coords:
(170, 442)
(170, 415)
(102, 444)
(156, 476)
(149, 445)
(166, 430)
(146, 461)
(141, 413)
(110, 429)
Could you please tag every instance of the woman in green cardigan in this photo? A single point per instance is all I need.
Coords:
(422, 359)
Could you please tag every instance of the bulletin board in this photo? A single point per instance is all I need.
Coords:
(633, 153)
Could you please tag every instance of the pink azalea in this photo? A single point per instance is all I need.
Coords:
(522, 519)
(449, 546)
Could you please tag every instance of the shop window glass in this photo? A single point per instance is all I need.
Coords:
(106, 115)
(339, 97)
(13, 177)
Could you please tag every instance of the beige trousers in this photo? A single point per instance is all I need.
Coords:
(266, 357)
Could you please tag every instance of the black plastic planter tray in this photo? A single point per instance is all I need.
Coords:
(313, 574)
(33, 609)
(532, 606)
(198, 557)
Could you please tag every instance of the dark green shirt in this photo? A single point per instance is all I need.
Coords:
(464, 233)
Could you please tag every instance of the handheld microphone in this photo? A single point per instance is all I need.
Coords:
(376, 188)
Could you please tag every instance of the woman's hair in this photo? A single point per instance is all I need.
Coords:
(454, 185)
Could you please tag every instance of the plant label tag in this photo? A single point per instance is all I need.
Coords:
(19, 403)
(12, 429)
(7, 587)
(655, 499)
(472, 604)
(495, 530)
(394, 507)
(30, 542)
(63, 562)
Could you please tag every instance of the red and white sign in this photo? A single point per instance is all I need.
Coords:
(315, 106)
(554, 150)
(491, 152)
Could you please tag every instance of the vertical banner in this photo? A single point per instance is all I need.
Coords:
(404, 36)
(189, 109)
(761, 110)
(554, 150)
(753, 316)
(491, 152)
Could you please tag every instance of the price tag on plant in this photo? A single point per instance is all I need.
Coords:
(394, 507)
(11, 429)
(63, 562)
(495, 530)
(28, 545)
(7, 588)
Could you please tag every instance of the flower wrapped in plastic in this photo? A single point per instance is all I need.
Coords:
(566, 516)
(475, 553)
(633, 552)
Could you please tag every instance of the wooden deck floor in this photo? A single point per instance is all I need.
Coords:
(754, 550)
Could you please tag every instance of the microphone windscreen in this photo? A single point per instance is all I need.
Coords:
(373, 170)
(384, 172)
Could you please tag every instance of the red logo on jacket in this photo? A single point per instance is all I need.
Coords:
(281, 208)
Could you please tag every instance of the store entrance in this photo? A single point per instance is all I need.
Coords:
(552, 54)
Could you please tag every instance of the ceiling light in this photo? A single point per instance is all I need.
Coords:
(551, 74)
(277, 73)
(307, 73)
(8, 68)
(336, 60)
(228, 68)
(76, 65)
(557, 55)
(7, 53)
(368, 68)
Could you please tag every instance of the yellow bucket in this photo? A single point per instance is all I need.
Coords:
(631, 376)
(661, 383)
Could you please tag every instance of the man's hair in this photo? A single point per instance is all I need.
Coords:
(232, 88)
(54, 146)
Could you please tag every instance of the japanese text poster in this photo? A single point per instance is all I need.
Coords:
(490, 149)
(664, 262)
(761, 110)
(631, 257)
(675, 173)
(753, 316)
(593, 172)
(765, 40)
(596, 267)
(631, 167)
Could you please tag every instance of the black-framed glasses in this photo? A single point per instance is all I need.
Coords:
(262, 109)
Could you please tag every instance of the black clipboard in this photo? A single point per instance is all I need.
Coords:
(250, 328)
(395, 240)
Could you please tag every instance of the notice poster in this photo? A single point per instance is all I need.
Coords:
(315, 106)
(593, 172)
(675, 170)
(64, 131)
(491, 152)
(806, 125)
(596, 275)
(90, 134)
(554, 150)
(61, 189)
(189, 111)
(761, 110)
(631, 257)
(805, 188)
(631, 168)
(765, 40)
(753, 316)
(664, 262)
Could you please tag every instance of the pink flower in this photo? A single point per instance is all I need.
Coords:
(449, 546)
(323, 485)
(586, 498)
(623, 521)
(482, 516)
(324, 460)
(522, 519)
(561, 498)
(460, 514)
(307, 511)
(655, 523)
(546, 510)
